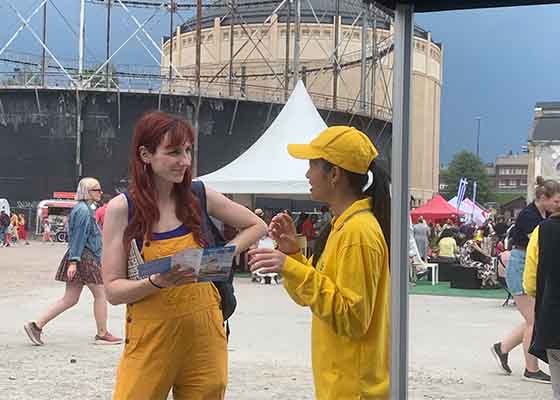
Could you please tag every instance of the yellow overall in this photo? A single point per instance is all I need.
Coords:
(175, 339)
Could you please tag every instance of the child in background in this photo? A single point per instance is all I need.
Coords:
(47, 237)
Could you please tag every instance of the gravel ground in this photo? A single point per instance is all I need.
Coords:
(269, 347)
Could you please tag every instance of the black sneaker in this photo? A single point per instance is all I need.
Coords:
(538, 377)
(501, 358)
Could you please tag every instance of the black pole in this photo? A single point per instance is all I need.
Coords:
(287, 67)
(108, 50)
(44, 55)
(171, 15)
(231, 47)
(335, 62)
(478, 137)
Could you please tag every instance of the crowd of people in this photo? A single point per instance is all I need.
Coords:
(527, 250)
(13, 229)
(466, 243)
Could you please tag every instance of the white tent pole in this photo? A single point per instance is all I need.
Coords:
(400, 200)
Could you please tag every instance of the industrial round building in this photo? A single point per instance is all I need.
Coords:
(245, 52)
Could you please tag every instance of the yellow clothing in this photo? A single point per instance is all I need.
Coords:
(531, 264)
(448, 247)
(174, 339)
(478, 236)
(348, 294)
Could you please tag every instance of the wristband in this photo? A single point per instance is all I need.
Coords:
(152, 282)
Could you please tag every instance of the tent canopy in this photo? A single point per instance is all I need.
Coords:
(445, 5)
(266, 167)
(435, 210)
(471, 210)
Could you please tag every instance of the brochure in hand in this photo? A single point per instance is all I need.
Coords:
(209, 264)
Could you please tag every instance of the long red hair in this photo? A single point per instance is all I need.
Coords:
(150, 131)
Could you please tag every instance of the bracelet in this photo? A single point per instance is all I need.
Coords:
(152, 282)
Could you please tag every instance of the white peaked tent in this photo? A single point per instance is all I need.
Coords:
(266, 167)
(472, 211)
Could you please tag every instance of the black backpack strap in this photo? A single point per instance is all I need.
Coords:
(130, 203)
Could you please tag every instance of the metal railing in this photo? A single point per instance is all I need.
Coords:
(149, 82)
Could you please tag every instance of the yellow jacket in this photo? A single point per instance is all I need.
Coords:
(448, 247)
(348, 295)
(531, 264)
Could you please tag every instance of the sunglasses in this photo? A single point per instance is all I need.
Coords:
(96, 190)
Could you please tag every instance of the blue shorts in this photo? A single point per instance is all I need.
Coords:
(514, 272)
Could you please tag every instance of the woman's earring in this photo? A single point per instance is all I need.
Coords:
(145, 168)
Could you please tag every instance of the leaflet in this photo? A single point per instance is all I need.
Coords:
(209, 264)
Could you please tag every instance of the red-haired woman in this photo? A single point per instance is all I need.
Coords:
(175, 337)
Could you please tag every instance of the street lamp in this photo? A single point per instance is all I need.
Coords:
(478, 136)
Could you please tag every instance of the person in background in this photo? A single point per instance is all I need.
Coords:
(9, 235)
(22, 229)
(541, 281)
(259, 213)
(501, 228)
(421, 235)
(299, 222)
(80, 267)
(14, 223)
(346, 281)
(4, 223)
(447, 245)
(326, 216)
(47, 235)
(547, 198)
(100, 211)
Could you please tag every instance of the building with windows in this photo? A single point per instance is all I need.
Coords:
(544, 144)
(511, 173)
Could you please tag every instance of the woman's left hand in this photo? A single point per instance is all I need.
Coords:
(266, 260)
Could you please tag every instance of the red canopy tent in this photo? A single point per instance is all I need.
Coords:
(436, 210)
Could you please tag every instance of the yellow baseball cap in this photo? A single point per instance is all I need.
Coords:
(343, 146)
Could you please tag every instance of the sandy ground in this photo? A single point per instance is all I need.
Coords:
(269, 348)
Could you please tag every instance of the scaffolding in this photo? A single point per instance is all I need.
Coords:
(165, 75)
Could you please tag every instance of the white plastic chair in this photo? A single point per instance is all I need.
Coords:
(418, 262)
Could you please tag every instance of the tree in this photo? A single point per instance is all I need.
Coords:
(467, 165)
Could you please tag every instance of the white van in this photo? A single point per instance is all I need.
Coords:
(5, 206)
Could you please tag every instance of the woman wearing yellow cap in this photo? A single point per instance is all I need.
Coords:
(346, 282)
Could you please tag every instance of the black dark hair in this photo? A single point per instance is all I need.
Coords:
(446, 234)
(380, 202)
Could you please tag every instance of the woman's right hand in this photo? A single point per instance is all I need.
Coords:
(283, 231)
(175, 277)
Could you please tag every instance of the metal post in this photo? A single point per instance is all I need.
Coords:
(78, 136)
(363, 70)
(400, 200)
(44, 54)
(373, 58)
(287, 58)
(231, 47)
(243, 81)
(478, 137)
(82, 38)
(171, 15)
(108, 50)
(335, 54)
(198, 42)
(197, 73)
(296, 42)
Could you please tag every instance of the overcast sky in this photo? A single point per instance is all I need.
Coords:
(497, 63)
